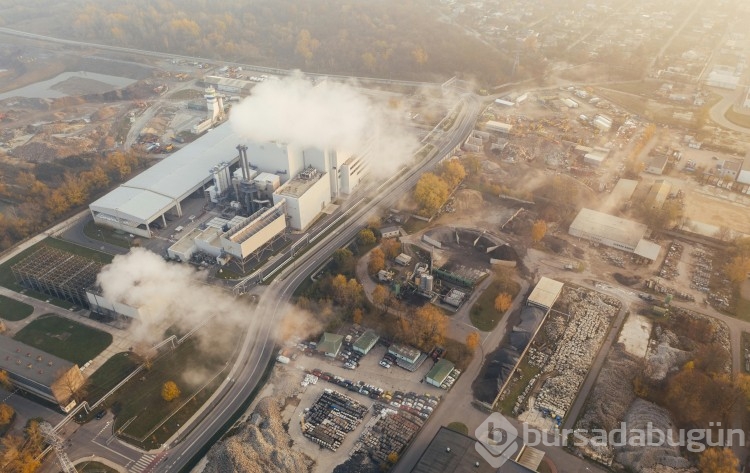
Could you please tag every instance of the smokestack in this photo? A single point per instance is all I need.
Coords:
(242, 150)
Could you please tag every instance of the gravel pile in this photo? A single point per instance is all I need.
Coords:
(261, 446)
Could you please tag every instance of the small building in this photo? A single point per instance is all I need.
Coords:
(385, 276)
(365, 342)
(454, 297)
(403, 259)
(390, 232)
(498, 126)
(330, 344)
(731, 168)
(657, 164)
(39, 373)
(403, 352)
(439, 372)
(594, 159)
(545, 293)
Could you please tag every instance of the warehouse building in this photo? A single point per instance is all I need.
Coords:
(657, 164)
(330, 344)
(39, 373)
(454, 452)
(405, 353)
(615, 232)
(366, 342)
(439, 372)
(545, 293)
(500, 127)
(107, 307)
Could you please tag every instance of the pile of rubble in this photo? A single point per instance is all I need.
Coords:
(390, 433)
(613, 258)
(332, 417)
(261, 446)
(669, 265)
(654, 456)
(702, 268)
(590, 316)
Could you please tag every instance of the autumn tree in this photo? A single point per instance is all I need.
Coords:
(472, 340)
(538, 230)
(718, 460)
(502, 302)
(391, 247)
(343, 261)
(737, 269)
(366, 237)
(380, 295)
(6, 413)
(306, 45)
(5, 380)
(452, 172)
(377, 261)
(346, 293)
(430, 193)
(170, 391)
(428, 328)
(357, 316)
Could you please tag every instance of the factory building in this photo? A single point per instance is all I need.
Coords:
(306, 196)
(545, 293)
(493, 125)
(214, 166)
(615, 232)
(39, 373)
(110, 308)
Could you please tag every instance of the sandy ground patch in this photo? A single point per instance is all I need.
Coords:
(717, 211)
(635, 335)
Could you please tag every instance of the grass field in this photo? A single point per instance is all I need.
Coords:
(6, 275)
(151, 420)
(483, 314)
(109, 374)
(743, 309)
(459, 427)
(13, 310)
(106, 235)
(94, 467)
(64, 338)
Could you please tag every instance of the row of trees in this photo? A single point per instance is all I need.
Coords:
(432, 189)
(43, 202)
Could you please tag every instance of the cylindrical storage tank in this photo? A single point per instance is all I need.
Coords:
(426, 283)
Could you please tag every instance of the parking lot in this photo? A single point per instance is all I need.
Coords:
(396, 382)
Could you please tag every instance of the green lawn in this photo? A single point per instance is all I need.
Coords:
(107, 235)
(139, 404)
(109, 374)
(64, 338)
(516, 386)
(94, 467)
(459, 427)
(483, 314)
(13, 310)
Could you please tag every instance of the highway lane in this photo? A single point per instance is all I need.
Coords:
(259, 344)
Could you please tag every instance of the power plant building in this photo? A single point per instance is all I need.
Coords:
(615, 232)
(306, 196)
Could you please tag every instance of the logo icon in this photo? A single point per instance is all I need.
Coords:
(496, 440)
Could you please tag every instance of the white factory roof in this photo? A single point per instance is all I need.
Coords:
(545, 293)
(647, 249)
(169, 181)
(743, 177)
(610, 227)
(623, 191)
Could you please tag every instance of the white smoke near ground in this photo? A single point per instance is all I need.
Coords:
(176, 296)
(327, 115)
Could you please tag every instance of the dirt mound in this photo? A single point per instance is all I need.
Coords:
(468, 199)
(261, 446)
(627, 280)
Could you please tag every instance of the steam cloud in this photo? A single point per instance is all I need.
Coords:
(329, 115)
(171, 294)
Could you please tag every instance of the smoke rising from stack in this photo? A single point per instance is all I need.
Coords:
(176, 295)
(329, 115)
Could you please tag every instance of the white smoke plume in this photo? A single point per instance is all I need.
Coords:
(169, 294)
(329, 115)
